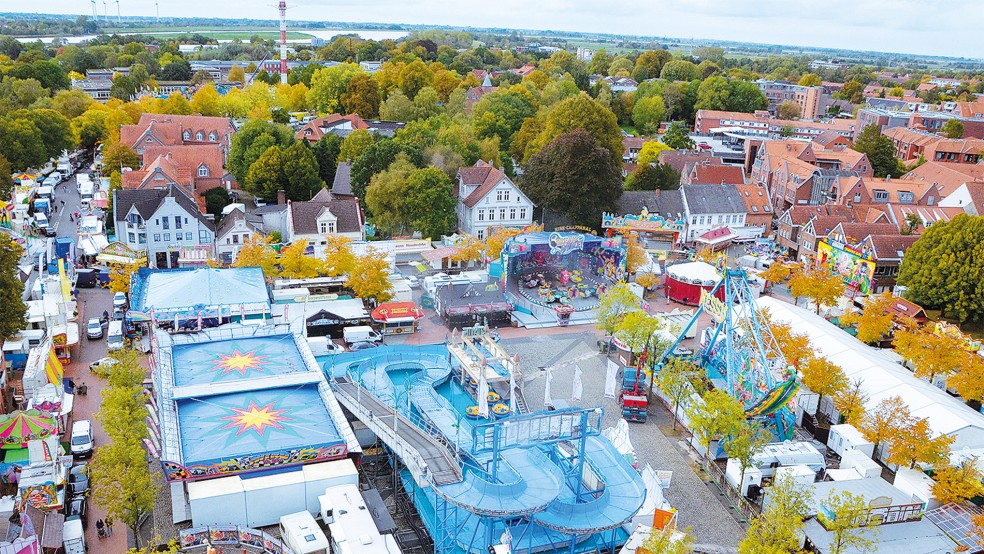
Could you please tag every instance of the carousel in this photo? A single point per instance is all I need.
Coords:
(685, 281)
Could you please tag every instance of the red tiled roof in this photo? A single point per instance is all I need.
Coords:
(887, 247)
(716, 175)
(482, 174)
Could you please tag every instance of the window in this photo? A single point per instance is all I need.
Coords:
(204, 237)
(157, 222)
(720, 219)
(491, 215)
(188, 235)
(157, 238)
(522, 213)
(142, 238)
(211, 137)
(177, 222)
(857, 196)
(132, 237)
(502, 195)
(881, 195)
(150, 139)
(931, 200)
(167, 237)
(481, 215)
(186, 135)
(695, 220)
(166, 223)
(480, 234)
(502, 213)
(202, 171)
(906, 197)
(512, 213)
(229, 240)
(326, 227)
(199, 136)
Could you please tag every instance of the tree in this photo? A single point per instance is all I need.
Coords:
(968, 381)
(649, 64)
(941, 269)
(679, 379)
(788, 109)
(953, 128)
(252, 141)
(746, 97)
(293, 170)
(207, 101)
(329, 84)
(55, 129)
(584, 113)
(928, 353)
(497, 239)
(123, 88)
(679, 70)
(845, 516)
(677, 136)
(372, 280)
(776, 273)
(614, 304)
(362, 97)
(637, 330)
(744, 443)
(718, 415)
(824, 377)
(819, 284)
(880, 151)
(713, 94)
(917, 444)
(470, 249)
(795, 347)
(778, 528)
(888, 420)
(668, 541)
(414, 77)
(21, 145)
(179, 70)
(6, 178)
(655, 176)
(13, 311)
(215, 200)
(956, 484)
(295, 264)
(646, 280)
(386, 197)
(576, 176)
(339, 258)
(119, 155)
(810, 80)
(256, 252)
(648, 113)
(431, 202)
(326, 152)
(636, 254)
(120, 276)
(236, 74)
(873, 322)
(649, 153)
(355, 144)
(849, 403)
(71, 103)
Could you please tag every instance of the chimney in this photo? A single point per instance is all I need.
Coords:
(281, 197)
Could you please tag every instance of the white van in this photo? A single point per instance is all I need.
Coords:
(114, 337)
(302, 534)
(323, 346)
(73, 537)
(361, 333)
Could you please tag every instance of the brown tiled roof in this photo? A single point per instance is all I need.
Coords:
(826, 137)
(856, 232)
(800, 215)
(318, 126)
(824, 224)
(756, 198)
(887, 247)
(680, 159)
(168, 128)
(482, 174)
(926, 214)
(947, 177)
(345, 209)
(919, 189)
(702, 174)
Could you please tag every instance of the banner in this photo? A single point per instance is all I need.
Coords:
(857, 268)
(54, 368)
(710, 304)
(611, 384)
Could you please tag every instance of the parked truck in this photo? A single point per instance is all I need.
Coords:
(633, 398)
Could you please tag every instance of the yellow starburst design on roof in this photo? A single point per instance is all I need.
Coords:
(256, 418)
(240, 361)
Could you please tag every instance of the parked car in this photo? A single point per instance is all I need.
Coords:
(75, 508)
(682, 350)
(102, 365)
(413, 281)
(83, 443)
(355, 347)
(119, 301)
(93, 329)
(78, 480)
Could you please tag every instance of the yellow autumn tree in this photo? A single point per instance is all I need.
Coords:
(777, 273)
(120, 276)
(956, 484)
(257, 253)
(874, 321)
(635, 256)
(968, 381)
(917, 444)
(497, 239)
(849, 402)
(928, 353)
(647, 280)
(370, 279)
(339, 258)
(823, 377)
(295, 264)
(469, 249)
(886, 422)
(795, 347)
(820, 285)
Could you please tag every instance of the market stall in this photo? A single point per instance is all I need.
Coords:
(397, 318)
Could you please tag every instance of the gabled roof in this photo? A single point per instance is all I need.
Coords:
(888, 247)
(947, 177)
(707, 174)
(713, 199)
(827, 137)
(346, 210)
(822, 225)
(483, 175)
(148, 201)
(856, 232)
(927, 215)
(919, 189)
(667, 203)
(756, 198)
(317, 128)
(169, 128)
(800, 215)
(230, 220)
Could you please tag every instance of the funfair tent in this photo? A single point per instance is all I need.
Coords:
(685, 281)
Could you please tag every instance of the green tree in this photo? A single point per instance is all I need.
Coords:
(326, 152)
(6, 178)
(502, 113)
(576, 176)
(744, 443)
(355, 144)
(880, 151)
(788, 109)
(845, 516)
(655, 176)
(21, 145)
(717, 415)
(778, 528)
(679, 70)
(12, 309)
(362, 97)
(746, 97)
(810, 80)
(119, 155)
(71, 103)
(637, 331)
(386, 196)
(941, 270)
(713, 94)
(55, 128)
(251, 141)
(375, 158)
(293, 170)
(677, 136)
(581, 112)
(649, 64)
(852, 91)
(679, 379)
(329, 84)
(953, 128)
(431, 203)
(414, 77)
(613, 306)
(236, 74)
(123, 87)
(215, 200)
(648, 113)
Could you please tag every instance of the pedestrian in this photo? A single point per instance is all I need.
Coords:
(109, 526)
(99, 528)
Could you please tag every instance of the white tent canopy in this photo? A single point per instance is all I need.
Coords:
(697, 273)
(881, 377)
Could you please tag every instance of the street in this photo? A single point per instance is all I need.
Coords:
(91, 303)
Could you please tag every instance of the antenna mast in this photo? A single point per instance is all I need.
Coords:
(283, 42)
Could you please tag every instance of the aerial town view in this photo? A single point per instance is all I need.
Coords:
(444, 278)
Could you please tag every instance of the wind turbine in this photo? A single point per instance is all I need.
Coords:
(105, 11)
(118, 18)
(157, 11)
(95, 14)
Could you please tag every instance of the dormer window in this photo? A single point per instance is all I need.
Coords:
(203, 170)
(211, 137)
(199, 136)
(186, 135)
(326, 227)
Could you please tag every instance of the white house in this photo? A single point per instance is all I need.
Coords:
(166, 224)
(234, 230)
(325, 214)
(711, 207)
(487, 198)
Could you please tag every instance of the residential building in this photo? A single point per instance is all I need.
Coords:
(758, 206)
(777, 92)
(933, 121)
(710, 207)
(177, 130)
(898, 191)
(658, 216)
(680, 160)
(232, 233)
(631, 148)
(487, 198)
(887, 251)
(820, 227)
(914, 219)
(474, 94)
(946, 177)
(968, 196)
(525, 70)
(761, 124)
(799, 173)
(882, 118)
(166, 224)
(343, 125)
(325, 214)
(832, 141)
(791, 222)
(707, 173)
(911, 144)
(194, 168)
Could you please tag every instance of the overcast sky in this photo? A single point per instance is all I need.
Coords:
(949, 28)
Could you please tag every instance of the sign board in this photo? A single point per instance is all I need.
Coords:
(712, 305)
(856, 267)
(645, 221)
(561, 244)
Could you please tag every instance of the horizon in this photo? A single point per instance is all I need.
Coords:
(709, 20)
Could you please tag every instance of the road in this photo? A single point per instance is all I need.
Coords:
(92, 303)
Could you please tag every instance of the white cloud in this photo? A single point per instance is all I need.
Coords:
(907, 26)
